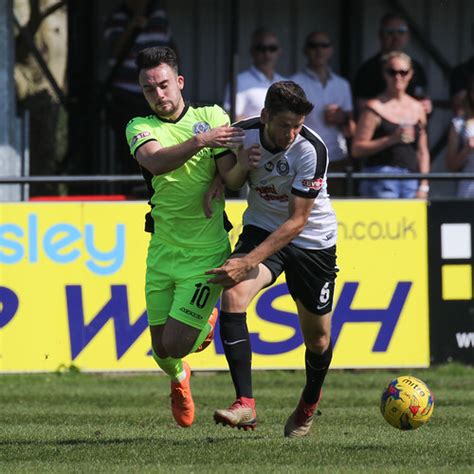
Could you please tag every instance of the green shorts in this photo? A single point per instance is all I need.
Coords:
(176, 283)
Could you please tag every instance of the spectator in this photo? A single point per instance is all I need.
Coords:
(394, 35)
(457, 85)
(135, 25)
(391, 134)
(460, 153)
(331, 95)
(253, 83)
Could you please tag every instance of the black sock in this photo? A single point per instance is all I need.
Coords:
(236, 342)
(317, 366)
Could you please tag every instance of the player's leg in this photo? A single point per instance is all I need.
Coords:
(182, 404)
(310, 278)
(164, 262)
(318, 355)
(187, 325)
(236, 342)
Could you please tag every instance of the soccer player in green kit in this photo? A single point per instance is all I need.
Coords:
(175, 146)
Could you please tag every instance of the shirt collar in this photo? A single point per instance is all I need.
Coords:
(259, 74)
(314, 76)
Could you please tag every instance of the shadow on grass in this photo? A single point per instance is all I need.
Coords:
(73, 442)
(98, 441)
(363, 447)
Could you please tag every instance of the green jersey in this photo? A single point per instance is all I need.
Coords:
(177, 196)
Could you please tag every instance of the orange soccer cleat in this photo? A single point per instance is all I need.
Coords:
(212, 321)
(182, 404)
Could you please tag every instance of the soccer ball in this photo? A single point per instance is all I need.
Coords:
(407, 403)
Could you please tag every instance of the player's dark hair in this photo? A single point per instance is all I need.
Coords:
(287, 96)
(152, 57)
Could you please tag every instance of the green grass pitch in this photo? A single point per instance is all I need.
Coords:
(76, 422)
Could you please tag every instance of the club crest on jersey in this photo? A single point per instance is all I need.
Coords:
(200, 127)
(282, 167)
(316, 184)
(139, 137)
(269, 166)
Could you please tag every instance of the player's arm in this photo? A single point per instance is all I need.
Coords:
(160, 160)
(299, 209)
(234, 168)
(235, 270)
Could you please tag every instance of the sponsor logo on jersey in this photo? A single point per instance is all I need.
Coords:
(269, 193)
(200, 127)
(313, 183)
(269, 166)
(139, 137)
(282, 167)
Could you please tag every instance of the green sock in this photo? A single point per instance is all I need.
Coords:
(172, 367)
(202, 335)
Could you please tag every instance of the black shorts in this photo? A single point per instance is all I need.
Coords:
(310, 274)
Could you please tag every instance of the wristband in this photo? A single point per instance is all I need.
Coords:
(424, 188)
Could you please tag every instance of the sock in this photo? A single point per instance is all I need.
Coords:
(201, 337)
(317, 366)
(173, 367)
(236, 342)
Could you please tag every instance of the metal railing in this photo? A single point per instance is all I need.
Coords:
(349, 177)
(110, 178)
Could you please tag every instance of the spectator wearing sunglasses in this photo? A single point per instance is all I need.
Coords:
(253, 83)
(460, 151)
(391, 135)
(394, 35)
(331, 117)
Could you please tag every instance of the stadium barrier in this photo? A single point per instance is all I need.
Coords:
(451, 263)
(72, 276)
(71, 285)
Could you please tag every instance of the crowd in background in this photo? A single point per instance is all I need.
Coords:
(377, 124)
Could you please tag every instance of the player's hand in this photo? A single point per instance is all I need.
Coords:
(249, 158)
(232, 272)
(215, 191)
(224, 136)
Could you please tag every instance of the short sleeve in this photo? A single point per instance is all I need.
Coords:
(138, 132)
(218, 116)
(309, 178)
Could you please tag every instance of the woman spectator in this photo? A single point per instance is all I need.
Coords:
(460, 154)
(391, 135)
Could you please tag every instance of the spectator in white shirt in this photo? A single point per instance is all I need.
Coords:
(331, 117)
(252, 84)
